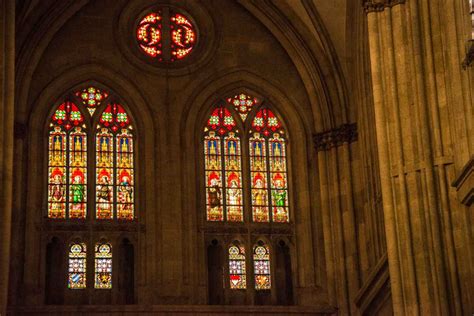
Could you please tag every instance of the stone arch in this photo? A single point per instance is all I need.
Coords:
(299, 128)
(144, 127)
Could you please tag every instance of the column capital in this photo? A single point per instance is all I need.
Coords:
(379, 5)
(346, 133)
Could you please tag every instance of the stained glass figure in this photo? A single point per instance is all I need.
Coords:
(78, 173)
(261, 267)
(237, 274)
(243, 104)
(104, 174)
(222, 153)
(183, 36)
(103, 266)
(92, 97)
(77, 266)
(67, 161)
(279, 187)
(258, 174)
(149, 34)
(114, 165)
(268, 171)
(124, 174)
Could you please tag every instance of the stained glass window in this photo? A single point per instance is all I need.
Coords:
(114, 165)
(177, 43)
(261, 267)
(67, 177)
(103, 266)
(223, 169)
(269, 183)
(149, 34)
(237, 276)
(77, 266)
(243, 104)
(183, 36)
(92, 97)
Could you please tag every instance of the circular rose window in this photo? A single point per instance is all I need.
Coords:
(166, 35)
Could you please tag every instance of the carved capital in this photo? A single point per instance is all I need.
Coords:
(379, 5)
(346, 133)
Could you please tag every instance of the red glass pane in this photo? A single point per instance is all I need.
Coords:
(149, 34)
(266, 122)
(183, 36)
(68, 115)
(114, 117)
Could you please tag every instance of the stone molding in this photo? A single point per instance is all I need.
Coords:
(376, 288)
(464, 183)
(379, 5)
(346, 133)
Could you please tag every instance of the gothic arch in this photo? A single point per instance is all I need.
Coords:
(144, 128)
(199, 102)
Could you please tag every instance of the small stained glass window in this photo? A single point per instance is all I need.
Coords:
(243, 104)
(166, 35)
(77, 266)
(261, 267)
(237, 276)
(103, 266)
(92, 97)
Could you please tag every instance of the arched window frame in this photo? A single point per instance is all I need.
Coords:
(243, 123)
(77, 265)
(90, 123)
(237, 265)
(262, 266)
(103, 259)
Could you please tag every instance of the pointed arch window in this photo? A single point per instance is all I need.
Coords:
(68, 150)
(237, 273)
(77, 266)
(222, 151)
(114, 165)
(67, 163)
(261, 267)
(269, 180)
(266, 157)
(103, 266)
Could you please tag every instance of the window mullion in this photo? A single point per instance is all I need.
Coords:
(223, 182)
(269, 184)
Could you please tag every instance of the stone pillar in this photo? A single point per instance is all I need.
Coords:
(423, 123)
(338, 216)
(7, 92)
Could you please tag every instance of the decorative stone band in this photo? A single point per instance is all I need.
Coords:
(379, 5)
(346, 133)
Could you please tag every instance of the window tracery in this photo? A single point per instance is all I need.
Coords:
(166, 35)
(69, 166)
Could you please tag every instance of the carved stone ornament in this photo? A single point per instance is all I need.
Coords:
(346, 133)
(379, 5)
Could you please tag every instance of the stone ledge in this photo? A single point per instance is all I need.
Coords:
(170, 309)
(464, 183)
(376, 288)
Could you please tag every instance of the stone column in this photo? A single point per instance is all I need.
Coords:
(337, 207)
(422, 123)
(7, 92)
